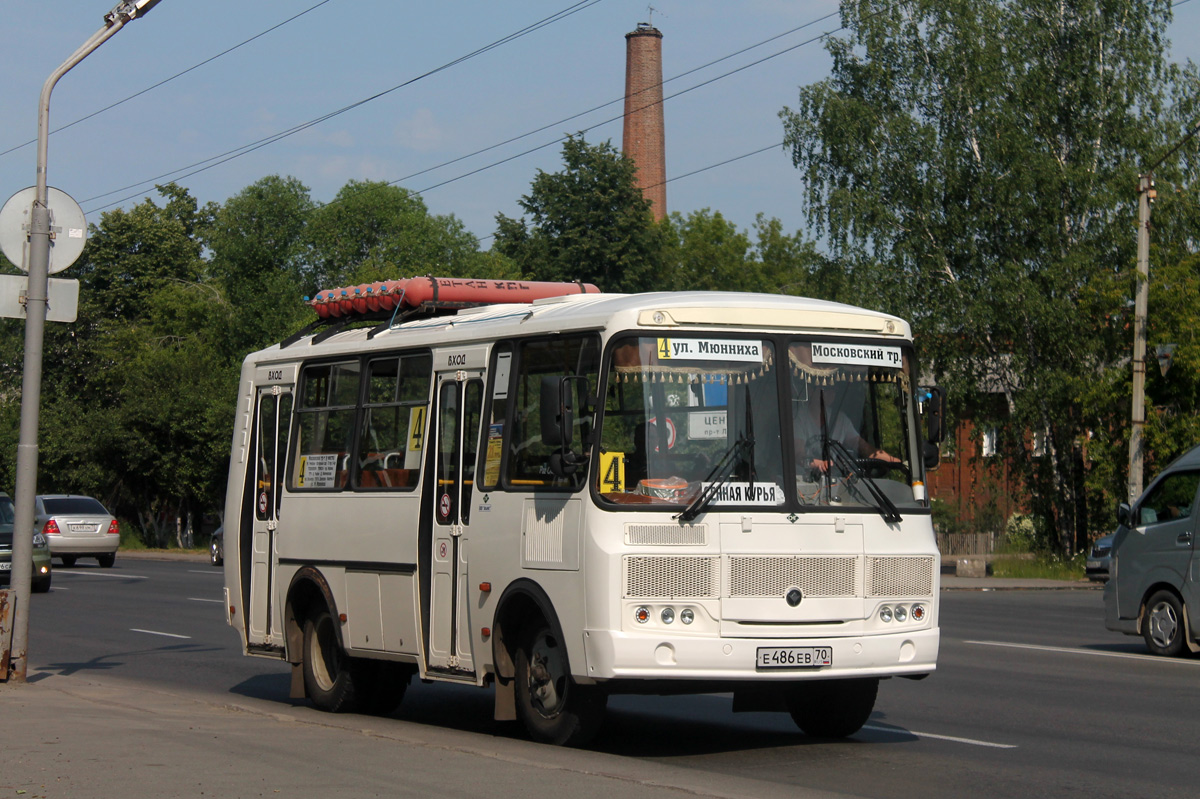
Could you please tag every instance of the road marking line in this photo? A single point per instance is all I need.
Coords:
(1070, 651)
(156, 632)
(104, 574)
(199, 599)
(214, 572)
(971, 741)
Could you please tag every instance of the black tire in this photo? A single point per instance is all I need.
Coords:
(552, 706)
(1163, 627)
(328, 670)
(41, 586)
(832, 708)
(107, 561)
(67, 560)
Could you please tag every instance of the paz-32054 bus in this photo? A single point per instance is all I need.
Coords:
(564, 495)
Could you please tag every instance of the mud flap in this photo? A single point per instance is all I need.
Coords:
(297, 689)
(506, 700)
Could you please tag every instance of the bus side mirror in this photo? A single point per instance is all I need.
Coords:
(933, 408)
(557, 416)
(558, 422)
(1125, 514)
(932, 455)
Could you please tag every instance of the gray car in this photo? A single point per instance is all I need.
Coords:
(40, 579)
(1099, 557)
(77, 526)
(1150, 591)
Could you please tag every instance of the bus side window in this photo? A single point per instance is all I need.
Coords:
(324, 429)
(496, 415)
(528, 465)
(392, 424)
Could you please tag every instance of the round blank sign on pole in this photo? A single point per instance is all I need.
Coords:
(68, 228)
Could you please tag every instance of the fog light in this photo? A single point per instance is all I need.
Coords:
(918, 612)
(885, 613)
(668, 615)
(642, 615)
(901, 613)
(43, 570)
(686, 616)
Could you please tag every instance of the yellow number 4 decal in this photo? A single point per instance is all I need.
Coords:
(416, 428)
(612, 472)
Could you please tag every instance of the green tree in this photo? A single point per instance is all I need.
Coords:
(376, 231)
(258, 263)
(706, 252)
(971, 164)
(134, 393)
(588, 222)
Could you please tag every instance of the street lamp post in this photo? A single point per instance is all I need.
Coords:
(35, 323)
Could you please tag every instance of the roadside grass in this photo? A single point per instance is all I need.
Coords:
(131, 541)
(1046, 567)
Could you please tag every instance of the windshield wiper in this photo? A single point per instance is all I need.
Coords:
(737, 450)
(850, 466)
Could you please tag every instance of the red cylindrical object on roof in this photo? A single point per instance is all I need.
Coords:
(457, 291)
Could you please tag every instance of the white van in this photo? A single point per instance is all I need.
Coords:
(1152, 589)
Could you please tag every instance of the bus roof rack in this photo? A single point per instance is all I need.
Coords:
(394, 302)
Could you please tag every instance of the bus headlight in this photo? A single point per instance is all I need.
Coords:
(668, 615)
(885, 613)
(687, 616)
(901, 613)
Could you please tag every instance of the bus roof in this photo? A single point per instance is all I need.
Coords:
(662, 311)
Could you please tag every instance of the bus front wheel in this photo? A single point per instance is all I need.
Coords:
(832, 708)
(552, 706)
(328, 678)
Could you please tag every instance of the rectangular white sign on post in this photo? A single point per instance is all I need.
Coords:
(62, 298)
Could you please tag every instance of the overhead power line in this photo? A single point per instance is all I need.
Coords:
(560, 139)
(237, 152)
(192, 68)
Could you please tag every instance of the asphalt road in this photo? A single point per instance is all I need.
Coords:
(1032, 697)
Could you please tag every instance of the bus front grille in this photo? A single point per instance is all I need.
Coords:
(900, 576)
(773, 575)
(659, 577)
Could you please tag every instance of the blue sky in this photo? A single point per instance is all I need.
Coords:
(342, 52)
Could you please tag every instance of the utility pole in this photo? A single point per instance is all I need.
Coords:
(35, 323)
(1146, 195)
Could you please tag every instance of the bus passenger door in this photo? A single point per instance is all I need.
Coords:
(458, 412)
(272, 418)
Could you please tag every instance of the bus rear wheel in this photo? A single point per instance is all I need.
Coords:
(328, 676)
(552, 706)
(832, 708)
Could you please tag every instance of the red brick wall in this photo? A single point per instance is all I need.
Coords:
(644, 139)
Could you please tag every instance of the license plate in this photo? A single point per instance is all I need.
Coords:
(6, 566)
(83, 528)
(794, 657)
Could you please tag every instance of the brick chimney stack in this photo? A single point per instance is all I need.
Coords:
(644, 142)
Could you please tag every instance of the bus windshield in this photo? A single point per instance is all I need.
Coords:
(693, 422)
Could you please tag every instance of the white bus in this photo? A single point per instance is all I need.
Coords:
(583, 495)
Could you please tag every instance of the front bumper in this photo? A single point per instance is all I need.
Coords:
(618, 655)
(41, 565)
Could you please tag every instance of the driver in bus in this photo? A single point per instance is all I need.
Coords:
(838, 427)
